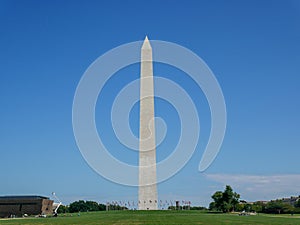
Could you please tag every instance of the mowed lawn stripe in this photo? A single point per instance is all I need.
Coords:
(156, 218)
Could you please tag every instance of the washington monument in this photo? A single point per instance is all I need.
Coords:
(147, 146)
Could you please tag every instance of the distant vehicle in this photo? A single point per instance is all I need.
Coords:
(243, 213)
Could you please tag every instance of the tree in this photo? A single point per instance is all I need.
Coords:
(63, 209)
(225, 201)
(198, 208)
(240, 207)
(84, 206)
(218, 201)
(78, 206)
(212, 206)
(92, 206)
(230, 198)
(278, 207)
(257, 207)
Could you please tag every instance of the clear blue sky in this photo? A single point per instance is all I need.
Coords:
(251, 46)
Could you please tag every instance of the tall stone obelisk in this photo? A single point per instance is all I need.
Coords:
(147, 147)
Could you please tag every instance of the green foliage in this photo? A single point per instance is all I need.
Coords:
(240, 207)
(116, 207)
(278, 207)
(86, 206)
(247, 207)
(212, 206)
(198, 208)
(257, 207)
(225, 201)
(63, 209)
(272, 207)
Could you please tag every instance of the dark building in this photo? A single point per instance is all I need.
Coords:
(20, 205)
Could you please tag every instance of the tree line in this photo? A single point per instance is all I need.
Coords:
(229, 201)
(81, 206)
(223, 201)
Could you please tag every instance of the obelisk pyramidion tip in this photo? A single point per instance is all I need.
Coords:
(146, 44)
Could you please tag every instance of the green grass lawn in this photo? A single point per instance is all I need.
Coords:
(157, 217)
